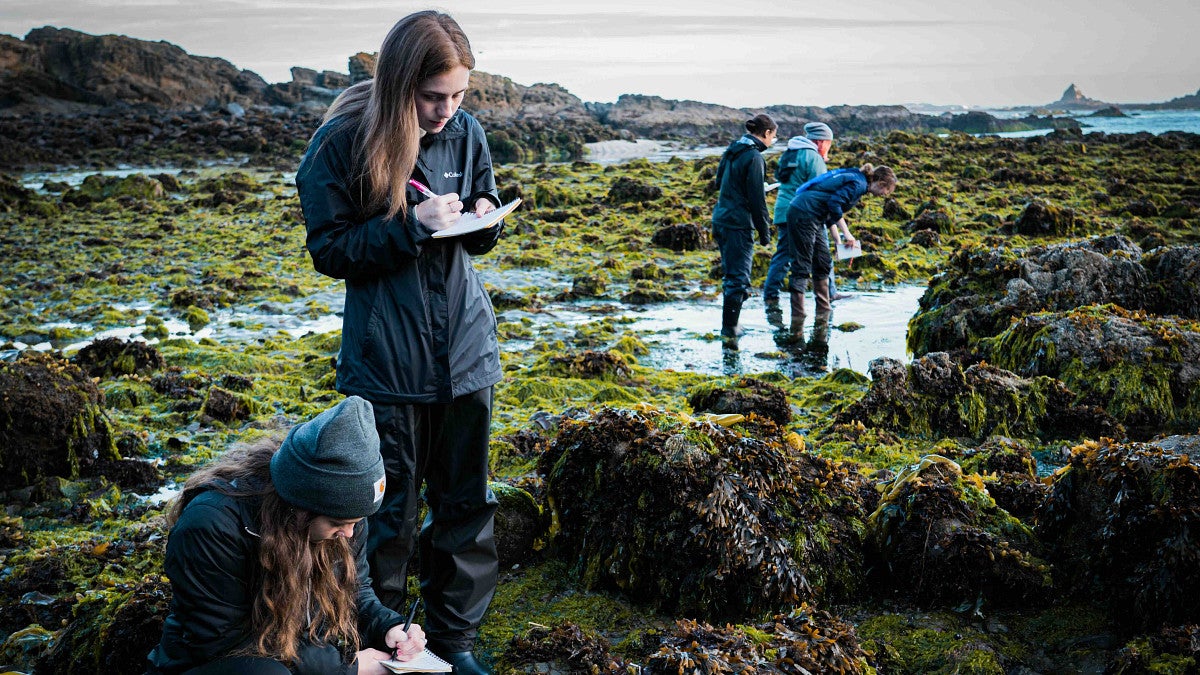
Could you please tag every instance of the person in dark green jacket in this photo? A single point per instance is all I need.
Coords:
(395, 161)
(266, 558)
(740, 211)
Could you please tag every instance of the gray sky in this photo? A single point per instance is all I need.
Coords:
(738, 53)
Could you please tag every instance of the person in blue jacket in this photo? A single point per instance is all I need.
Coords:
(818, 204)
(740, 211)
(266, 558)
(803, 160)
(419, 333)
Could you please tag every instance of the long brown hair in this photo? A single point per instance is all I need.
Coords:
(302, 587)
(420, 46)
(882, 175)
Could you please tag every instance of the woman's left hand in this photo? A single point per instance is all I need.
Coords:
(484, 205)
(406, 645)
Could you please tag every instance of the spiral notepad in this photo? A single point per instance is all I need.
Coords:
(427, 662)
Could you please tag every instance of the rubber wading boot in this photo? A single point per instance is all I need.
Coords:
(774, 313)
(465, 663)
(821, 293)
(797, 298)
(730, 313)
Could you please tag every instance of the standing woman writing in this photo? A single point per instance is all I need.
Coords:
(419, 334)
(741, 210)
(821, 203)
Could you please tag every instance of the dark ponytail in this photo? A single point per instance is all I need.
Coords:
(760, 124)
(879, 174)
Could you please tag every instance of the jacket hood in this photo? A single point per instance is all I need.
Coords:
(800, 143)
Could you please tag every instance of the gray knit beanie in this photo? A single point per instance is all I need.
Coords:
(331, 464)
(818, 131)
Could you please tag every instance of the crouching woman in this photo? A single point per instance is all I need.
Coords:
(266, 559)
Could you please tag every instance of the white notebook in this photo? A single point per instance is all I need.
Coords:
(844, 252)
(426, 662)
(469, 222)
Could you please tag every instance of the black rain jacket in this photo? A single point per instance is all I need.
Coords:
(418, 325)
(741, 201)
(212, 559)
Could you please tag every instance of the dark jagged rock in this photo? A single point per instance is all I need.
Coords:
(748, 395)
(1110, 111)
(935, 397)
(942, 540)
(1120, 521)
(925, 239)
(113, 357)
(681, 237)
(934, 220)
(52, 421)
(227, 406)
(1145, 371)
(726, 525)
(1073, 98)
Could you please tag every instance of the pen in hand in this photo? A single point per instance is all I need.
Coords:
(412, 611)
(420, 187)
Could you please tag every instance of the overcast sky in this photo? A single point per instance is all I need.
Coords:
(732, 52)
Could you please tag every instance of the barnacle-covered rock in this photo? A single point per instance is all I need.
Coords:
(52, 421)
(1143, 370)
(943, 540)
(691, 516)
(747, 395)
(1120, 522)
(984, 290)
(112, 357)
(935, 397)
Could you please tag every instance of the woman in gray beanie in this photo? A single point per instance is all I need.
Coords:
(266, 560)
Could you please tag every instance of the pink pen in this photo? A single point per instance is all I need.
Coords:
(422, 188)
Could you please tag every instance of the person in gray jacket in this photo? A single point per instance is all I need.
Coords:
(803, 160)
(395, 161)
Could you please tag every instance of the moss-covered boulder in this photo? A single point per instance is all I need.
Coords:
(942, 540)
(747, 395)
(681, 237)
(518, 524)
(984, 290)
(52, 421)
(1143, 370)
(693, 517)
(227, 406)
(626, 189)
(98, 187)
(113, 357)
(935, 397)
(1120, 524)
(1041, 218)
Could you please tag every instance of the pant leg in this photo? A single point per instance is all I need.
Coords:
(781, 260)
(737, 255)
(459, 565)
(822, 262)
(391, 539)
(803, 235)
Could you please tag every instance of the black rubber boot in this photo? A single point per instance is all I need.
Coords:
(730, 313)
(465, 663)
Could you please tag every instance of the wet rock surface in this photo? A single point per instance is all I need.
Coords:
(747, 396)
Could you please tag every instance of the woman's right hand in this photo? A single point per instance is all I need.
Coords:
(440, 212)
